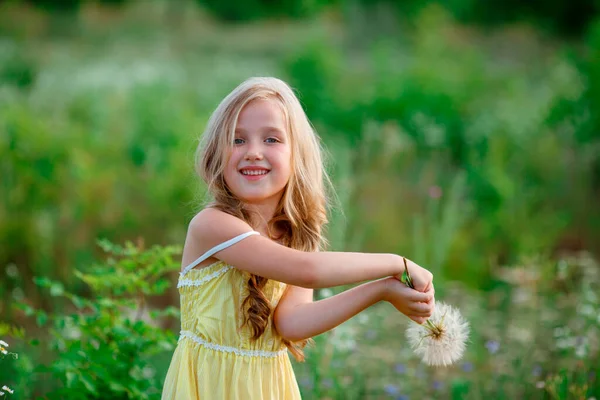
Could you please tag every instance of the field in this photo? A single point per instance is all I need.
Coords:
(472, 150)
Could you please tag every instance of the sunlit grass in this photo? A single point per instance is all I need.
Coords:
(472, 162)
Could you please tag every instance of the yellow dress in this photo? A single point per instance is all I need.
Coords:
(215, 358)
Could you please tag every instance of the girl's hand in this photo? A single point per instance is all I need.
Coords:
(410, 302)
(422, 279)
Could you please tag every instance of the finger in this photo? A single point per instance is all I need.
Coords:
(421, 297)
(428, 286)
(431, 289)
(418, 320)
(432, 301)
(421, 309)
(432, 293)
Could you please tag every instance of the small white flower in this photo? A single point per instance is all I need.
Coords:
(9, 390)
(441, 339)
(540, 384)
(3, 343)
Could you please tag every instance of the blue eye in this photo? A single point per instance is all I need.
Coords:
(272, 140)
(238, 141)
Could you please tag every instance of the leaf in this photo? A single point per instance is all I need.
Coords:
(78, 301)
(56, 289)
(42, 281)
(406, 279)
(41, 318)
(117, 387)
(88, 383)
(160, 286)
(164, 345)
(71, 378)
(26, 308)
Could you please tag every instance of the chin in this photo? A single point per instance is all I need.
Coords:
(254, 199)
(258, 198)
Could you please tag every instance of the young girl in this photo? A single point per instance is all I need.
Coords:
(251, 258)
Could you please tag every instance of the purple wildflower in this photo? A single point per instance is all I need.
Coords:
(391, 389)
(492, 346)
(467, 367)
(435, 192)
(327, 383)
(371, 334)
(306, 382)
(400, 368)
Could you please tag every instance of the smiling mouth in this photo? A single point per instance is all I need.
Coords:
(254, 172)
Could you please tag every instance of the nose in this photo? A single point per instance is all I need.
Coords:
(254, 153)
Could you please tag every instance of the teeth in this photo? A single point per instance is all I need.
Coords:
(249, 172)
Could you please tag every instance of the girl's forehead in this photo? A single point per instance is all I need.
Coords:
(261, 112)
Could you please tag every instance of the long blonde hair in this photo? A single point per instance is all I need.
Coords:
(302, 210)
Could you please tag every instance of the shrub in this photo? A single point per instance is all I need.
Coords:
(103, 346)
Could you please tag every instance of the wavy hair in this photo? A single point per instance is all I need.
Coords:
(302, 210)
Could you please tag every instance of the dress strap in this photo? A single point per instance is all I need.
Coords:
(218, 248)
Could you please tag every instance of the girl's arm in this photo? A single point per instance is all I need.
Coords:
(261, 256)
(297, 317)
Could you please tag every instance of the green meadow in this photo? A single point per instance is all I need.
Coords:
(468, 144)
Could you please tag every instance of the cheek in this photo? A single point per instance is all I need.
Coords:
(230, 167)
(285, 163)
(233, 160)
(287, 160)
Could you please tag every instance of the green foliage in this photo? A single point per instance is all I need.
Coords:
(57, 6)
(564, 18)
(102, 346)
(533, 337)
(113, 2)
(465, 150)
(442, 111)
(237, 11)
(570, 19)
(16, 69)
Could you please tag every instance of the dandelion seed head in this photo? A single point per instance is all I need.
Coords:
(442, 340)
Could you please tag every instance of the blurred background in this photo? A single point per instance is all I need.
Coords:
(462, 134)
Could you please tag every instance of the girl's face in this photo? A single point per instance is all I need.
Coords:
(259, 164)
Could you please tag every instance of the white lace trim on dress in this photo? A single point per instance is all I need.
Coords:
(209, 277)
(227, 349)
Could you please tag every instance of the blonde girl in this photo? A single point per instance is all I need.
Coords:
(251, 258)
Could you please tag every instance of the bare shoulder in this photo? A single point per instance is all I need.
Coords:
(256, 254)
(212, 222)
(207, 229)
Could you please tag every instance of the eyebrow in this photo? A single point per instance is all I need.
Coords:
(264, 129)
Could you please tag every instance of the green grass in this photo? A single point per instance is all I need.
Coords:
(472, 152)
